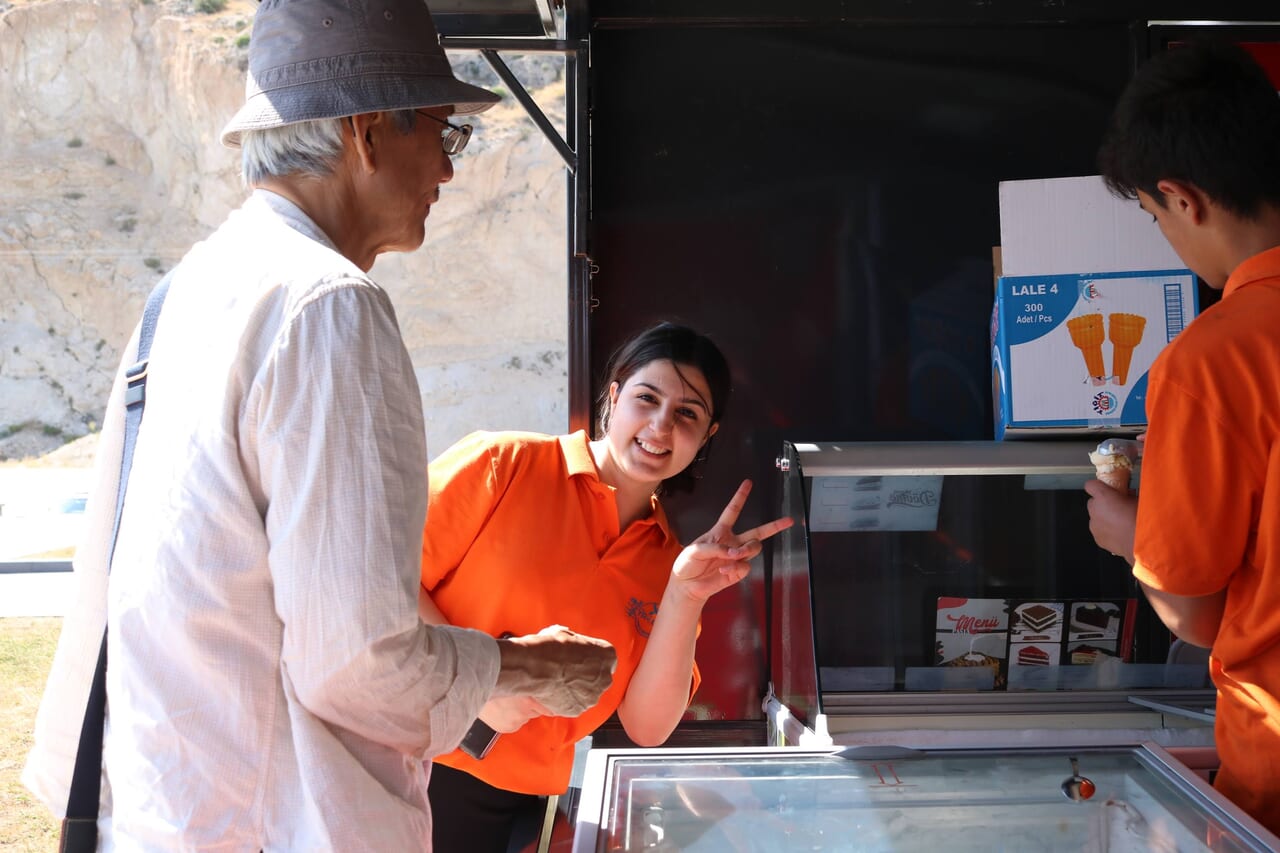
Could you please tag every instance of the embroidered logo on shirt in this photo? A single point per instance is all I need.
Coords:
(642, 613)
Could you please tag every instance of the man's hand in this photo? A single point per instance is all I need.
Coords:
(720, 558)
(509, 713)
(566, 673)
(1113, 518)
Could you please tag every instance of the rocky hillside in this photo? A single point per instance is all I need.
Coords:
(112, 169)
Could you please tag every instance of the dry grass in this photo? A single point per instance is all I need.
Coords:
(56, 554)
(26, 652)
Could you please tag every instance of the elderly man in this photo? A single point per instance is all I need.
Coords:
(270, 685)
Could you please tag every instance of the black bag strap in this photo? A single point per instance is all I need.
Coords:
(80, 827)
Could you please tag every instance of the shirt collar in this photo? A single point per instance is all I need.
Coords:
(1263, 265)
(578, 461)
(293, 216)
(576, 448)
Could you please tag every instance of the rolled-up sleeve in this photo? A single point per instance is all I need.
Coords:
(336, 414)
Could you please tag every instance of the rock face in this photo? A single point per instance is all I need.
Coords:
(113, 169)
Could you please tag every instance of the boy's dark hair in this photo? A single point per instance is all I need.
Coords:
(1205, 114)
(681, 346)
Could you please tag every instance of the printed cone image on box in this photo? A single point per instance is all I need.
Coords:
(1126, 333)
(1086, 333)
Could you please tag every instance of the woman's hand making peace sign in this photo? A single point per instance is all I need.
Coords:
(720, 558)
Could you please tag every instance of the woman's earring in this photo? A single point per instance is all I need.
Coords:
(700, 457)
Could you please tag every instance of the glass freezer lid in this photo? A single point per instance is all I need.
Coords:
(882, 798)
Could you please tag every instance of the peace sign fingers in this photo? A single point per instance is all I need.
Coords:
(729, 517)
(722, 531)
(764, 531)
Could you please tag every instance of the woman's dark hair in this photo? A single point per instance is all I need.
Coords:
(683, 347)
(1204, 113)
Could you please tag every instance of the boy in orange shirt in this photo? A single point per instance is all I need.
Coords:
(1195, 138)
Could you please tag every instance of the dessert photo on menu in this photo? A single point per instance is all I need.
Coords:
(1094, 631)
(973, 634)
(1036, 621)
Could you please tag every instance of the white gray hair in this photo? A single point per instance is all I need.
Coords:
(305, 148)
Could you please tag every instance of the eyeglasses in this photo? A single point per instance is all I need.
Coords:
(454, 137)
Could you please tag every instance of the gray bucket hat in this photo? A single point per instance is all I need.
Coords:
(314, 59)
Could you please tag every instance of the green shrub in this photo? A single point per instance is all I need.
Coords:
(243, 41)
(151, 263)
(75, 142)
(210, 7)
(74, 195)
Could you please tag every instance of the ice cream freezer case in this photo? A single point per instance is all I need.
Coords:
(950, 593)
(1118, 798)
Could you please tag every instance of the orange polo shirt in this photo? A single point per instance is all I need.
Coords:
(521, 534)
(1209, 512)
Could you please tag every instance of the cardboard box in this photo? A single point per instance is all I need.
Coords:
(1090, 292)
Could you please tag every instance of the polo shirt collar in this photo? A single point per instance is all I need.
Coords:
(576, 448)
(578, 460)
(1264, 265)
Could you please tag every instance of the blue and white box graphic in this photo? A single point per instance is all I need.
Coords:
(1072, 352)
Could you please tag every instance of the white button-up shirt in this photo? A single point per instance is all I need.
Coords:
(270, 685)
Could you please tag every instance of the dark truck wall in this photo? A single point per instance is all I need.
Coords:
(821, 198)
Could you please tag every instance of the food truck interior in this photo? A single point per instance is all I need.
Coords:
(814, 184)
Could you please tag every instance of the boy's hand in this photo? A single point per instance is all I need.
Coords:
(1113, 518)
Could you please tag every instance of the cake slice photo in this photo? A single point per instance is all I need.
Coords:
(1094, 621)
(1032, 656)
(1039, 620)
(1088, 654)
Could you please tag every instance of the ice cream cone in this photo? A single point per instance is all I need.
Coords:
(1087, 334)
(1113, 461)
(1125, 333)
(1116, 476)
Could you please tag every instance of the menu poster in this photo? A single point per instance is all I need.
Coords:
(1019, 640)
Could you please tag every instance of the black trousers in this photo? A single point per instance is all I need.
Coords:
(471, 816)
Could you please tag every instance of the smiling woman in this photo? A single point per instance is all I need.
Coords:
(572, 532)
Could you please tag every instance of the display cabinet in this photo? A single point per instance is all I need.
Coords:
(857, 798)
(954, 586)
